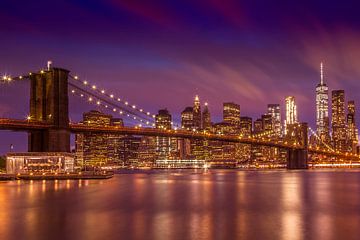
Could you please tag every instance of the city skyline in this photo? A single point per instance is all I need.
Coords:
(235, 58)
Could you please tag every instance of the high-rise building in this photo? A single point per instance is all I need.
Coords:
(187, 118)
(274, 111)
(291, 111)
(231, 113)
(206, 119)
(163, 144)
(197, 114)
(352, 137)
(322, 109)
(231, 116)
(258, 126)
(246, 126)
(92, 149)
(338, 120)
(267, 123)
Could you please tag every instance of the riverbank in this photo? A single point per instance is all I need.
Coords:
(57, 176)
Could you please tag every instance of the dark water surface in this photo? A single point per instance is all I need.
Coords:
(218, 204)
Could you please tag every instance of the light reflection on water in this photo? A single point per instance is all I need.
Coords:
(217, 204)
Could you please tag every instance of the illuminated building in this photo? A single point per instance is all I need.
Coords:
(231, 116)
(114, 145)
(92, 148)
(163, 144)
(274, 111)
(147, 151)
(338, 120)
(245, 126)
(197, 113)
(187, 118)
(291, 111)
(128, 150)
(59, 162)
(351, 125)
(267, 123)
(322, 109)
(231, 113)
(258, 126)
(206, 119)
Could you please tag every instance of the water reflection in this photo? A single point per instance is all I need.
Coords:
(217, 204)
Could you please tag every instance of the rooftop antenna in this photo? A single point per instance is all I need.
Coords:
(321, 74)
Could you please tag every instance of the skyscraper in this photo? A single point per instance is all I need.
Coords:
(163, 144)
(187, 118)
(197, 113)
(206, 119)
(274, 112)
(322, 109)
(92, 149)
(338, 120)
(291, 111)
(351, 125)
(231, 116)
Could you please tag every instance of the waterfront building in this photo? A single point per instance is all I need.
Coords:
(206, 118)
(352, 135)
(274, 112)
(92, 149)
(338, 120)
(163, 144)
(55, 162)
(187, 118)
(197, 114)
(128, 147)
(322, 109)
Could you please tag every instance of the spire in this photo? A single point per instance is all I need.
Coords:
(321, 74)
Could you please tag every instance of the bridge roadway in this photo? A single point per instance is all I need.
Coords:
(28, 125)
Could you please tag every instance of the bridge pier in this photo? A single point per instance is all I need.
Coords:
(298, 158)
(49, 103)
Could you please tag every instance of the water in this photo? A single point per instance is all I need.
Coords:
(218, 204)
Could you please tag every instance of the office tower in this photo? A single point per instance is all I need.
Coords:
(351, 127)
(231, 113)
(322, 109)
(338, 120)
(274, 111)
(206, 119)
(92, 148)
(258, 126)
(197, 113)
(163, 144)
(114, 144)
(187, 118)
(231, 116)
(267, 123)
(245, 126)
(129, 150)
(291, 111)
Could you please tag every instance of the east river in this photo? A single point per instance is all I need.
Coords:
(187, 204)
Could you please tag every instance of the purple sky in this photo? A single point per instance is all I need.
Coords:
(160, 54)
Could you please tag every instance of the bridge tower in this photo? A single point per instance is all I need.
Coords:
(49, 103)
(298, 158)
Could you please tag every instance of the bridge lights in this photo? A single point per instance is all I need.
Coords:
(133, 106)
(93, 87)
(126, 103)
(103, 91)
(98, 102)
(119, 99)
(85, 82)
(111, 95)
(76, 77)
